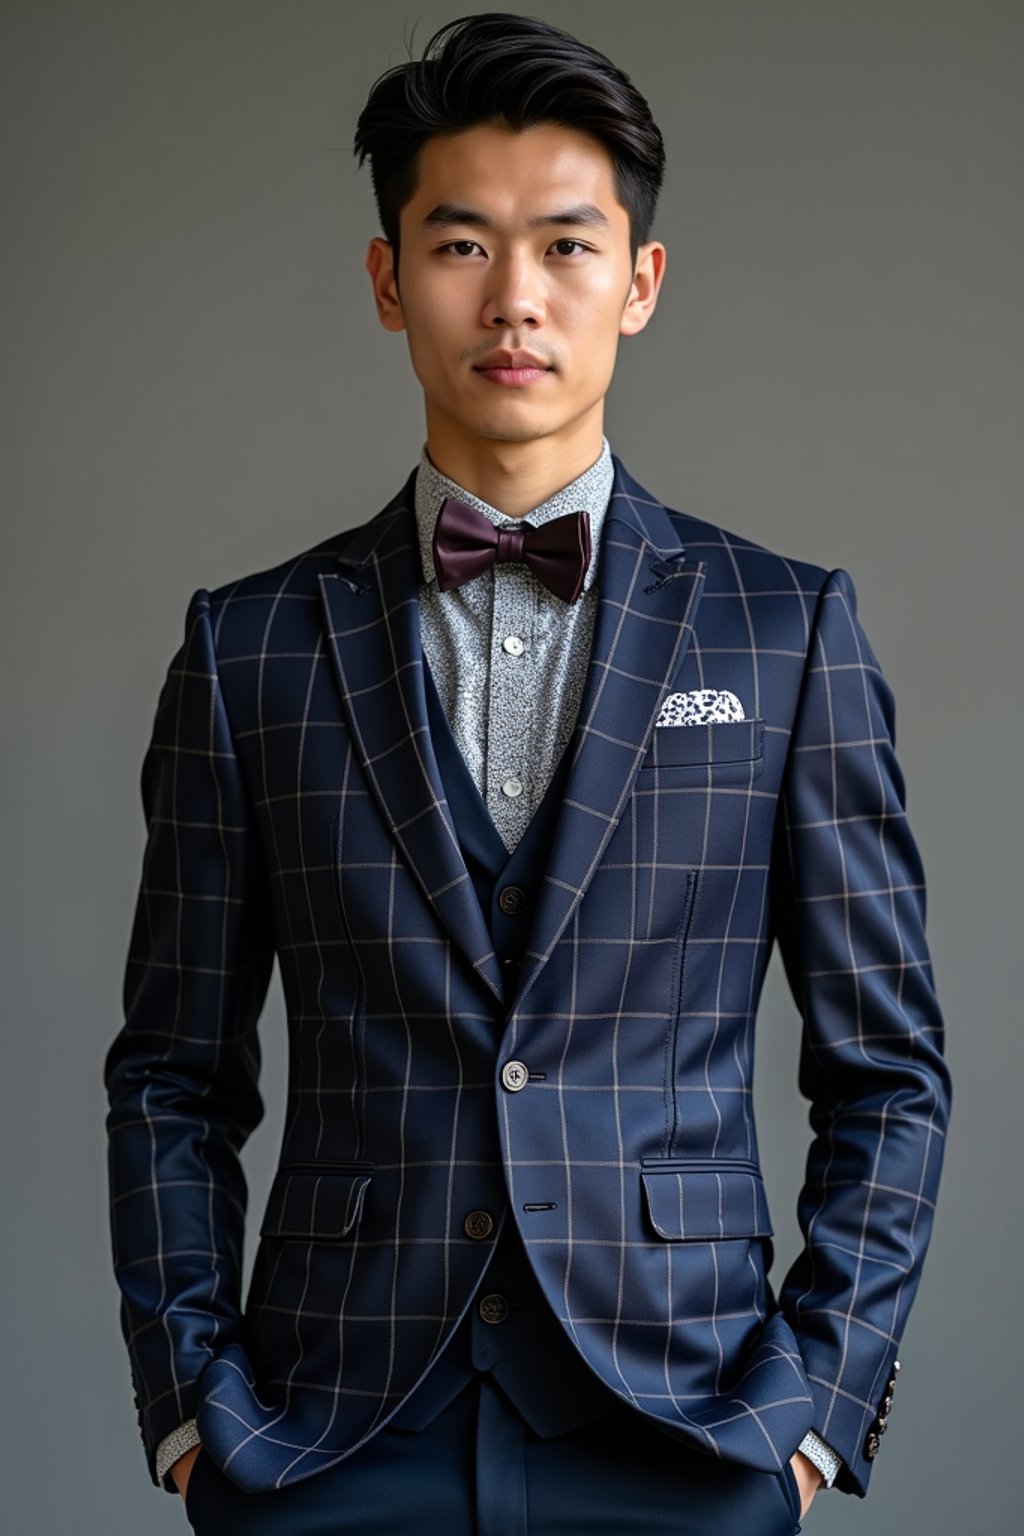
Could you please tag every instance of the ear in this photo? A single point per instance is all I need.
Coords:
(643, 292)
(381, 267)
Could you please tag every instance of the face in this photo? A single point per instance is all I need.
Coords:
(515, 282)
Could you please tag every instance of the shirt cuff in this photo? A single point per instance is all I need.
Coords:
(821, 1453)
(174, 1445)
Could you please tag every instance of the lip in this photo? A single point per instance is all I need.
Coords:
(511, 360)
(512, 369)
(514, 378)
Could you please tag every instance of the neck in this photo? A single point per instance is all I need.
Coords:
(515, 477)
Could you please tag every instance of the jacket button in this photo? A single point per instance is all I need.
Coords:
(478, 1224)
(494, 1308)
(871, 1446)
(512, 899)
(513, 1076)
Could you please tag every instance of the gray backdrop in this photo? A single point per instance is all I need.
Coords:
(196, 386)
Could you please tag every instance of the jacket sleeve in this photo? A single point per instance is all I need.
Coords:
(848, 899)
(181, 1075)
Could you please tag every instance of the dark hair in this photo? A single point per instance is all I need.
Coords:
(515, 71)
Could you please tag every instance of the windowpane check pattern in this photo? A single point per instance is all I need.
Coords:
(294, 809)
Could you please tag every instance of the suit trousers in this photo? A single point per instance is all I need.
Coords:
(478, 1469)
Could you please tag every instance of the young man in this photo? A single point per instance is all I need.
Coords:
(520, 779)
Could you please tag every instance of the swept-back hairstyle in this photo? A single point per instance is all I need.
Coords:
(515, 71)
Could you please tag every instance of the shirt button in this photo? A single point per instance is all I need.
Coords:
(513, 1076)
(513, 645)
(494, 1308)
(512, 787)
(479, 1224)
(512, 899)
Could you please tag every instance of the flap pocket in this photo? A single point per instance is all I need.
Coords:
(704, 1201)
(310, 1203)
(726, 741)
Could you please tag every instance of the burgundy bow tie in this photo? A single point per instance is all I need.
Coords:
(466, 543)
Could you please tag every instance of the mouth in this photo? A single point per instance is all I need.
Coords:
(513, 377)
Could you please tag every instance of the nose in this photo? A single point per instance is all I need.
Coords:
(515, 295)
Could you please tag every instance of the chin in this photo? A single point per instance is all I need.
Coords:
(513, 431)
(515, 419)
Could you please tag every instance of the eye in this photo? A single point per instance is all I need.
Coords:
(452, 244)
(567, 241)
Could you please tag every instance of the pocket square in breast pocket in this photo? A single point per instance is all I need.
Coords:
(701, 706)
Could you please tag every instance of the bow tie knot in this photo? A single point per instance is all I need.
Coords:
(466, 543)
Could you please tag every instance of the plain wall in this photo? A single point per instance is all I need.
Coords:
(196, 386)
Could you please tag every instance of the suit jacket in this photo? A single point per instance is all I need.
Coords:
(601, 1100)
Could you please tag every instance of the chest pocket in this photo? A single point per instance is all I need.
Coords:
(724, 751)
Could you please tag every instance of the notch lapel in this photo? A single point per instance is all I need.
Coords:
(647, 605)
(371, 611)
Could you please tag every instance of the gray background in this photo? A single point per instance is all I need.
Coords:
(196, 385)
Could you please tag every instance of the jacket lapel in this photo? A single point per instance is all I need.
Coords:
(647, 606)
(371, 608)
(647, 603)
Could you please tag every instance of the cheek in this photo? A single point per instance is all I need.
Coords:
(591, 317)
(429, 333)
(432, 307)
(440, 323)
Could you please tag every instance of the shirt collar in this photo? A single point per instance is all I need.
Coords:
(590, 491)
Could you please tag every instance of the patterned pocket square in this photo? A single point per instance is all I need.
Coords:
(701, 706)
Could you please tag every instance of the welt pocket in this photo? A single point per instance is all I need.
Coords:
(706, 746)
(704, 1199)
(319, 1200)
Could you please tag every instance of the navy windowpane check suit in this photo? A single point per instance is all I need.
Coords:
(296, 805)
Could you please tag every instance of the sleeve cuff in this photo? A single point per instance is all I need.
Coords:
(821, 1453)
(174, 1445)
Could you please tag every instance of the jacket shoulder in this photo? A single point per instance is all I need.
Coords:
(242, 608)
(737, 563)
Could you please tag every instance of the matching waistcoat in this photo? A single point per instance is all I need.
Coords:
(523, 1346)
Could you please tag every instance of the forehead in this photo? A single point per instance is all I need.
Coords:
(510, 175)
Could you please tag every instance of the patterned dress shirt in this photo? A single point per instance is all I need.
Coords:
(509, 659)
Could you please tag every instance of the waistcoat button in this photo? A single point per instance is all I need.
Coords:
(478, 1224)
(512, 899)
(494, 1308)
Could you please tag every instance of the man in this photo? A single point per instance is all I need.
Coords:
(520, 779)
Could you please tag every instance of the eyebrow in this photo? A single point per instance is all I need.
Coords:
(446, 214)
